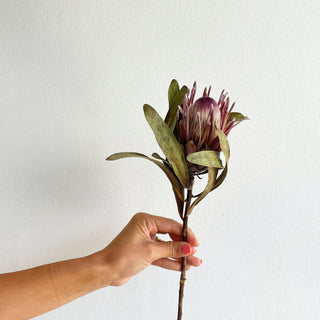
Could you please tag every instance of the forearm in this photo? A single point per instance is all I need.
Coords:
(28, 293)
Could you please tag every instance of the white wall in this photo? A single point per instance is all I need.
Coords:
(73, 78)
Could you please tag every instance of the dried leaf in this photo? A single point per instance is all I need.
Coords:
(168, 144)
(157, 156)
(213, 181)
(224, 145)
(179, 201)
(237, 116)
(221, 177)
(212, 174)
(175, 97)
(207, 158)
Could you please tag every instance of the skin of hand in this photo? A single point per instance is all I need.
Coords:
(135, 248)
(28, 293)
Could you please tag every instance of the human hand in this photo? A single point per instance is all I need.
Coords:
(136, 247)
(58, 283)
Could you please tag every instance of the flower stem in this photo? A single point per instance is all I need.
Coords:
(184, 238)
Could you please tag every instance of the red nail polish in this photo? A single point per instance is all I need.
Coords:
(186, 249)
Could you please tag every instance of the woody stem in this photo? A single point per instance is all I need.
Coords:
(184, 238)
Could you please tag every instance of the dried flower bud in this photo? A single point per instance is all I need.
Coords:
(204, 116)
(199, 121)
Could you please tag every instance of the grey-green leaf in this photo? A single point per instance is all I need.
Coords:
(173, 89)
(207, 158)
(168, 144)
(175, 97)
(212, 174)
(237, 116)
(224, 144)
(221, 177)
(180, 202)
(122, 155)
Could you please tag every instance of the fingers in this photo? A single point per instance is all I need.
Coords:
(175, 265)
(169, 264)
(164, 225)
(172, 249)
(193, 261)
(158, 252)
(191, 238)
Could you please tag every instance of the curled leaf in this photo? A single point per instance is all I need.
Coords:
(221, 177)
(212, 174)
(224, 144)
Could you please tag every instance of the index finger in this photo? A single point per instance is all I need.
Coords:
(165, 225)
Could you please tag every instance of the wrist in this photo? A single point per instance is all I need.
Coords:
(100, 269)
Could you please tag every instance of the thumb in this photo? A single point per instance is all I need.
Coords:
(172, 249)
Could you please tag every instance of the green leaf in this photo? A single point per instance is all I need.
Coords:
(175, 97)
(168, 144)
(213, 181)
(173, 89)
(236, 115)
(207, 158)
(224, 144)
(122, 155)
(180, 202)
(221, 178)
(212, 174)
(176, 185)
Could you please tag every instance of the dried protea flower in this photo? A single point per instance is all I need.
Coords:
(191, 137)
(198, 122)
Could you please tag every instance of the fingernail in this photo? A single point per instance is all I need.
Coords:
(186, 249)
(200, 261)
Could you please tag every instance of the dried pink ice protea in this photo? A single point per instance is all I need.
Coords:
(191, 137)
